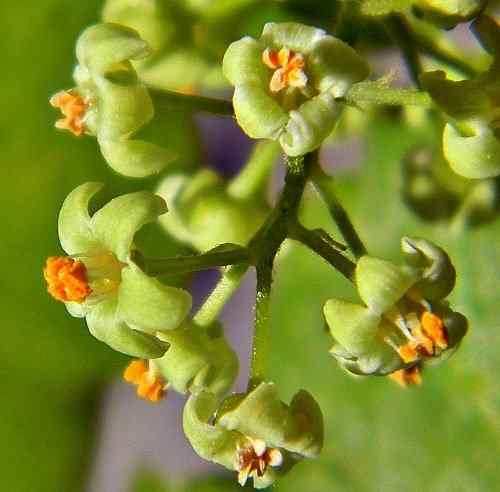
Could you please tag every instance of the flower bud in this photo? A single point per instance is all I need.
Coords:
(255, 434)
(286, 83)
(204, 215)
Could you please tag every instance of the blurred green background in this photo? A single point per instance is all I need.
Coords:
(444, 436)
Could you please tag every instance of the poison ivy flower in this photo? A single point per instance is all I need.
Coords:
(110, 102)
(286, 84)
(198, 359)
(123, 307)
(204, 215)
(188, 39)
(471, 141)
(255, 434)
(404, 320)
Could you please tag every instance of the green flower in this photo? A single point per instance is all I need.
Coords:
(470, 138)
(123, 307)
(255, 434)
(404, 320)
(198, 359)
(110, 102)
(286, 84)
(203, 215)
(188, 39)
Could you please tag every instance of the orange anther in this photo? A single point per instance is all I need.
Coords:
(150, 386)
(73, 107)
(407, 377)
(408, 353)
(288, 67)
(135, 371)
(433, 327)
(66, 279)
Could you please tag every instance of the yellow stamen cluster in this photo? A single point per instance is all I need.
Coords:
(408, 377)
(429, 338)
(149, 384)
(73, 107)
(254, 458)
(288, 69)
(66, 279)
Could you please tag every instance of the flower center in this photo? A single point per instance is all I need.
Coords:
(288, 69)
(254, 458)
(144, 375)
(73, 106)
(426, 336)
(66, 279)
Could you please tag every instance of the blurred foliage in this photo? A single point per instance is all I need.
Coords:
(444, 436)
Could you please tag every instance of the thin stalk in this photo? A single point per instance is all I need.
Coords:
(402, 35)
(257, 169)
(164, 100)
(187, 264)
(320, 245)
(219, 297)
(325, 187)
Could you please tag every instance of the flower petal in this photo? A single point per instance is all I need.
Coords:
(135, 158)
(258, 114)
(75, 233)
(474, 157)
(297, 37)
(243, 63)
(104, 45)
(115, 224)
(310, 125)
(381, 283)
(146, 304)
(353, 326)
(333, 65)
(106, 327)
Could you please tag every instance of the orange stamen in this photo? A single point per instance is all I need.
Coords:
(254, 458)
(407, 377)
(433, 327)
(288, 67)
(408, 353)
(66, 279)
(73, 107)
(149, 385)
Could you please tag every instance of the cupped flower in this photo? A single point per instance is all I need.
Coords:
(255, 434)
(405, 320)
(471, 143)
(204, 215)
(110, 102)
(123, 307)
(286, 84)
(198, 359)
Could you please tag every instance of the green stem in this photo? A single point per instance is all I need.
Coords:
(219, 297)
(168, 101)
(257, 169)
(402, 34)
(325, 187)
(377, 93)
(317, 242)
(195, 263)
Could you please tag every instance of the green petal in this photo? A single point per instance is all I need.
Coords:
(77, 310)
(124, 105)
(115, 224)
(335, 66)
(381, 284)
(474, 157)
(197, 362)
(105, 45)
(104, 325)
(147, 305)
(438, 272)
(258, 114)
(75, 232)
(297, 37)
(243, 63)
(135, 158)
(308, 127)
(210, 442)
(353, 326)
